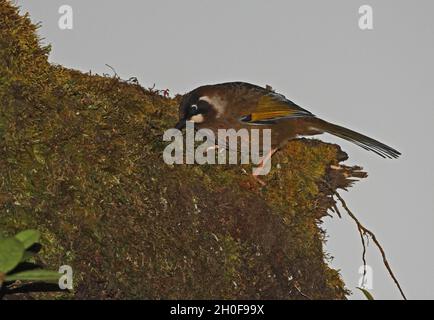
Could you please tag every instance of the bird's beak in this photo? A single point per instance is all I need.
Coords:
(181, 124)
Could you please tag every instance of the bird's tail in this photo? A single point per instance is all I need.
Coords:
(357, 138)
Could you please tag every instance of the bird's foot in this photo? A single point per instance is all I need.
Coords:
(259, 180)
(258, 172)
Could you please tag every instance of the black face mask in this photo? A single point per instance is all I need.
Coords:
(181, 124)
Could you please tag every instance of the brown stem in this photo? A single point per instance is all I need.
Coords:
(364, 231)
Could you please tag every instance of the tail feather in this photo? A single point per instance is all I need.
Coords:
(357, 138)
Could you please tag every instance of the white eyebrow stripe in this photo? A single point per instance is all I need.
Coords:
(217, 103)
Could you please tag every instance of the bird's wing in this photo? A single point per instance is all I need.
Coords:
(273, 107)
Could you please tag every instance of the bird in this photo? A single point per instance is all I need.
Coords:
(237, 105)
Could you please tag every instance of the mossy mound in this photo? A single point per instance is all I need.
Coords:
(81, 161)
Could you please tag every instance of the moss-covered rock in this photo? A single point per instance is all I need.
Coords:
(81, 161)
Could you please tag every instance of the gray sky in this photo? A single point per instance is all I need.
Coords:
(378, 82)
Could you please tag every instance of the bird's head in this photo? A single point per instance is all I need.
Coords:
(197, 108)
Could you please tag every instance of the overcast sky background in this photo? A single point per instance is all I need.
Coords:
(379, 82)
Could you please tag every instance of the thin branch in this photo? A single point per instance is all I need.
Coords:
(301, 292)
(335, 207)
(363, 231)
(362, 234)
(115, 74)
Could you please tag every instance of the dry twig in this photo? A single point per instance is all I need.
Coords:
(365, 232)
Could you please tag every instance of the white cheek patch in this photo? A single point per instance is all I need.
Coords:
(217, 103)
(198, 118)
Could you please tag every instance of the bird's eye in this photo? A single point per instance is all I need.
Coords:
(194, 109)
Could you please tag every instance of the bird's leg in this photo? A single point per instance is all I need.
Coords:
(258, 170)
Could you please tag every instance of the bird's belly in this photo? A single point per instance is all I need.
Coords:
(255, 135)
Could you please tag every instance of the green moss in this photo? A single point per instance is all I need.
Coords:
(81, 160)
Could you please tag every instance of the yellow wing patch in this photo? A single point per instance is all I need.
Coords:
(257, 116)
(276, 106)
